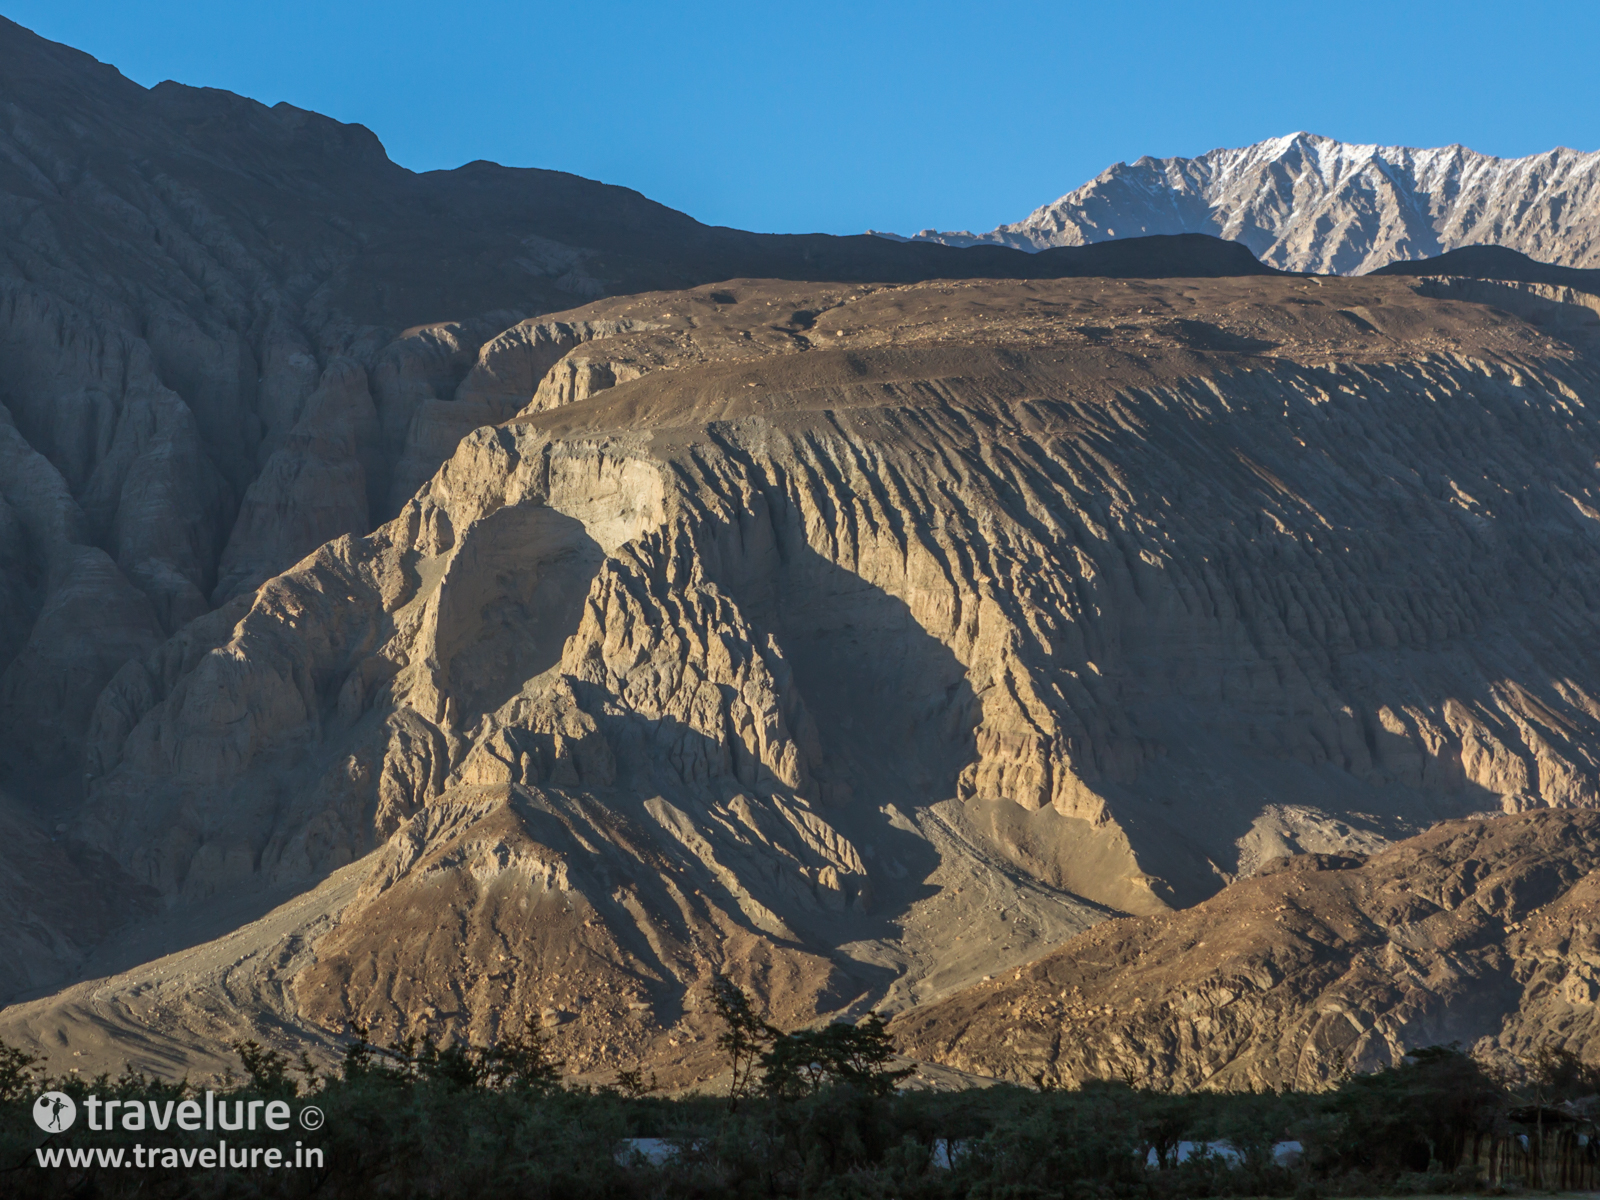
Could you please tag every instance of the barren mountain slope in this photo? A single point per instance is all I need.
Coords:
(1480, 932)
(1310, 203)
(851, 639)
(231, 333)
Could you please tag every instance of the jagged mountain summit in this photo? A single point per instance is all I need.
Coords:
(1310, 203)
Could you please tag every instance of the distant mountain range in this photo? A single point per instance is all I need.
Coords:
(1310, 203)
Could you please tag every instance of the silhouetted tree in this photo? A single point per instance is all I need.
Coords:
(744, 1036)
(810, 1059)
(19, 1074)
(522, 1062)
(1562, 1075)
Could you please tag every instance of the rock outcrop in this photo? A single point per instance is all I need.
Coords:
(231, 334)
(1478, 932)
(865, 641)
(1310, 203)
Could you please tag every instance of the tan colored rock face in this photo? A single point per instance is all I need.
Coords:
(1478, 932)
(230, 334)
(431, 664)
(856, 636)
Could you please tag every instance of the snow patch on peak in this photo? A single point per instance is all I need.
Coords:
(1307, 202)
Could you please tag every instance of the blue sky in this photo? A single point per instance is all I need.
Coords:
(843, 116)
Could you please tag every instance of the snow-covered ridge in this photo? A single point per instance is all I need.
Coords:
(1310, 203)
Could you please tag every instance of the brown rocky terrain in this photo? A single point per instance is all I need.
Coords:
(488, 600)
(230, 334)
(860, 641)
(1481, 932)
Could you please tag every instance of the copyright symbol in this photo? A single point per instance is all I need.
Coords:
(311, 1117)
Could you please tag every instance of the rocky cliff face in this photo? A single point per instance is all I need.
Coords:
(864, 641)
(1479, 932)
(423, 659)
(230, 335)
(1309, 203)
(204, 377)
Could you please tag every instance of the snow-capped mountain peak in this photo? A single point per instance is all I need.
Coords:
(1305, 202)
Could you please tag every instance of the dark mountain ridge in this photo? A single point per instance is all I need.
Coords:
(1498, 263)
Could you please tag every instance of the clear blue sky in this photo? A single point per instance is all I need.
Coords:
(843, 116)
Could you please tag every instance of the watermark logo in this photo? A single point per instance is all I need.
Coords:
(54, 1112)
(57, 1112)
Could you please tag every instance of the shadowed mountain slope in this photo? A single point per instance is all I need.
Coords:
(231, 333)
(1497, 263)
